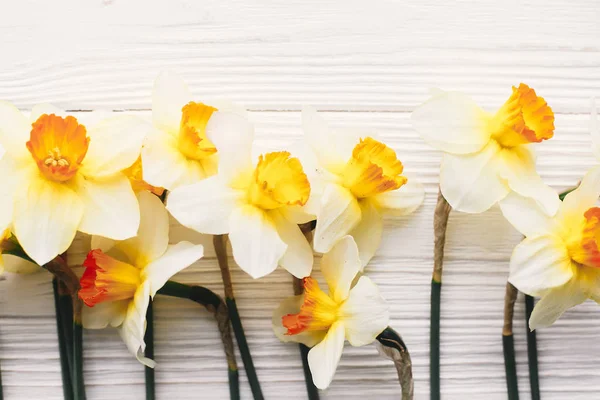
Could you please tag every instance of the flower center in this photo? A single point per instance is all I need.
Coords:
(107, 279)
(372, 169)
(58, 146)
(524, 118)
(278, 181)
(135, 175)
(192, 141)
(317, 313)
(584, 248)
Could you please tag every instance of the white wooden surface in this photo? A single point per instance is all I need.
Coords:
(368, 64)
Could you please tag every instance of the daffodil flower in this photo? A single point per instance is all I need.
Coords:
(120, 277)
(135, 175)
(259, 206)
(178, 152)
(559, 259)
(354, 179)
(324, 321)
(486, 156)
(60, 177)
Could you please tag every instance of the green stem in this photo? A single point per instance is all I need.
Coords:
(78, 383)
(434, 340)
(219, 242)
(564, 194)
(510, 365)
(62, 342)
(213, 303)
(532, 356)
(311, 389)
(149, 353)
(440, 223)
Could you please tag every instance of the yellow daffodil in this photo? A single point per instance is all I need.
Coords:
(179, 152)
(258, 205)
(120, 277)
(61, 177)
(486, 156)
(559, 259)
(354, 179)
(324, 321)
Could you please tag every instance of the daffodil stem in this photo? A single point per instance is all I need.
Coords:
(532, 356)
(398, 352)
(78, 382)
(213, 303)
(220, 244)
(149, 353)
(311, 389)
(508, 344)
(63, 349)
(440, 223)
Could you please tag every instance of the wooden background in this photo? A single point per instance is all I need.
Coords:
(366, 64)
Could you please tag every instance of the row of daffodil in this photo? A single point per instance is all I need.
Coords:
(60, 177)
(489, 159)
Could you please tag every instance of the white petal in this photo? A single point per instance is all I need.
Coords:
(14, 130)
(518, 168)
(554, 303)
(470, 183)
(152, 236)
(115, 144)
(365, 313)
(134, 325)
(339, 267)
(169, 95)
(324, 358)
(332, 148)
(403, 201)
(104, 314)
(581, 199)
(46, 218)
(232, 135)
(595, 130)
(291, 305)
(177, 257)
(224, 105)
(297, 214)
(526, 215)
(452, 122)
(256, 245)
(367, 234)
(165, 166)
(338, 215)
(298, 258)
(540, 263)
(102, 243)
(204, 206)
(45, 108)
(110, 207)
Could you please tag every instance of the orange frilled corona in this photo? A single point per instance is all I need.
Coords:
(58, 146)
(192, 140)
(372, 169)
(524, 118)
(584, 247)
(107, 279)
(278, 181)
(317, 313)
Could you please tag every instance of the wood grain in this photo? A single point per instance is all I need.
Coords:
(368, 64)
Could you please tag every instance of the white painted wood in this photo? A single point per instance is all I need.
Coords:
(375, 59)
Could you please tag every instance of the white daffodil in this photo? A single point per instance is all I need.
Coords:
(121, 277)
(559, 259)
(324, 321)
(178, 152)
(486, 156)
(60, 177)
(259, 206)
(354, 180)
